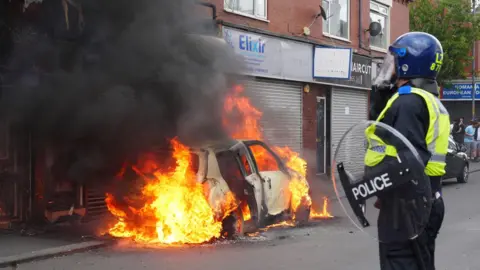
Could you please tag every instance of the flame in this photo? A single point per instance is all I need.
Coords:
(174, 210)
(242, 120)
(324, 213)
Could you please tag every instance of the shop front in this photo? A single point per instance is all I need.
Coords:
(457, 99)
(348, 78)
(276, 71)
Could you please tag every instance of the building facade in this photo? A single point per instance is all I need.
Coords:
(311, 76)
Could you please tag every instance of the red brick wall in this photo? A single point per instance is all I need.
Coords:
(289, 17)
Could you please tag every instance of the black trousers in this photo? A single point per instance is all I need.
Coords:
(406, 255)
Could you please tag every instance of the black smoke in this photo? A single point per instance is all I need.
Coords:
(122, 77)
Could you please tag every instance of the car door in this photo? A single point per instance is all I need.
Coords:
(273, 173)
(247, 165)
(454, 163)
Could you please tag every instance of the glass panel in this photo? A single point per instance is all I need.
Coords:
(265, 160)
(338, 18)
(379, 41)
(246, 6)
(260, 8)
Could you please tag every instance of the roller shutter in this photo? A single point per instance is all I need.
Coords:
(349, 107)
(281, 105)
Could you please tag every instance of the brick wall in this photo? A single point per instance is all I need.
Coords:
(288, 17)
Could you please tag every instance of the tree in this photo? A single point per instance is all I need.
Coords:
(453, 23)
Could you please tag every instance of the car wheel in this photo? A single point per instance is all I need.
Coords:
(302, 215)
(463, 178)
(233, 225)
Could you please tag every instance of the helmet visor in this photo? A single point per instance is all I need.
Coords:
(386, 72)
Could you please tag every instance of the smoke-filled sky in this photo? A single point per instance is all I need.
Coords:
(127, 80)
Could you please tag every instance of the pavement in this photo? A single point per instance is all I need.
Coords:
(324, 244)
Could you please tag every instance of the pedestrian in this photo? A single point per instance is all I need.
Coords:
(458, 130)
(411, 66)
(469, 141)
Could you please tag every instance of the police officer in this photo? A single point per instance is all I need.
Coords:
(406, 98)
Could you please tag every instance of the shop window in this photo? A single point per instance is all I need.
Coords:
(379, 13)
(250, 8)
(338, 18)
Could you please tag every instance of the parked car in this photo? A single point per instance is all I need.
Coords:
(262, 185)
(458, 165)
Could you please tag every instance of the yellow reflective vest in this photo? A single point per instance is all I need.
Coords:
(436, 138)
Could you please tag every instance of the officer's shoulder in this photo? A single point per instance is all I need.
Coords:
(409, 100)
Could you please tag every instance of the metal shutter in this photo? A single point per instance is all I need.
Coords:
(351, 150)
(281, 104)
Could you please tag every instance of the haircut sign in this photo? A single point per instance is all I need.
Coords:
(360, 75)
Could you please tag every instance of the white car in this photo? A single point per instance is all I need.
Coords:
(232, 166)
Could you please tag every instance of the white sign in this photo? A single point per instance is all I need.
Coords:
(347, 110)
(332, 63)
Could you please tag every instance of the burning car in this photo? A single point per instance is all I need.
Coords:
(258, 178)
(215, 190)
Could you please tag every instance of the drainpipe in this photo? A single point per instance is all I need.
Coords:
(212, 6)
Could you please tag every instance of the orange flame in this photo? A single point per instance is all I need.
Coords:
(175, 209)
(242, 120)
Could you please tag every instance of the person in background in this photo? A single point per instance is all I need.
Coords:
(469, 141)
(458, 131)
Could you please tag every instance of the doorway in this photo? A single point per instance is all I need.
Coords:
(321, 135)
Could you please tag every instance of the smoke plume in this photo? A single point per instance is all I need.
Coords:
(115, 80)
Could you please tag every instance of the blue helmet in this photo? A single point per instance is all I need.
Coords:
(417, 55)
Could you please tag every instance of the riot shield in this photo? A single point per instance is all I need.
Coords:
(380, 182)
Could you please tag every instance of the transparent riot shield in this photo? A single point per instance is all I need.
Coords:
(380, 182)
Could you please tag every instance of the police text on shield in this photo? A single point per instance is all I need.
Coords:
(368, 188)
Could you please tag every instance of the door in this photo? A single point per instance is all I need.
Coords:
(321, 134)
(274, 177)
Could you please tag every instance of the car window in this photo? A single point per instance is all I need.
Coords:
(246, 165)
(194, 162)
(264, 159)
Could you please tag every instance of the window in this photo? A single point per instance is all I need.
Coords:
(265, 160)
(253, 8)
(379, 13)
(338, 14)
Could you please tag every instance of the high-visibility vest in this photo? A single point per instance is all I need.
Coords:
(436, 138)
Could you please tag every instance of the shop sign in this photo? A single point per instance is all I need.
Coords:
(459, 91)
(268, 56)
(360, 73)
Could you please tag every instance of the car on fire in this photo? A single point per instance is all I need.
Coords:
(262, 186)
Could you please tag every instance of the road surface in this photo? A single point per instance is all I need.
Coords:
(329, 245)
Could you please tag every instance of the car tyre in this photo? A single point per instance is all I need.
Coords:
(233, 225)
(463, 178)
(302, 215)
